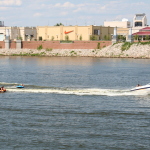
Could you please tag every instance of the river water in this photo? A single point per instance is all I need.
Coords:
(74, 103)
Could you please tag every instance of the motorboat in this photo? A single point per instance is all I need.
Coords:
(141, 87)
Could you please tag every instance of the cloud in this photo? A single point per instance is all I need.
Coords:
(77, 12)
(63, 13)
(103, 7)
(37, 15)
(65, 5)
(3, 8)
(10, 2)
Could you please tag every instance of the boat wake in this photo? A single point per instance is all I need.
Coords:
(104, 92)
(11, 87)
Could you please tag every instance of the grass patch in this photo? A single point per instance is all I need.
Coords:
(144, 43)
(66, 41)
(29, 54)
(73, 53)
(57, 54)
(49, 49)
(126, 46)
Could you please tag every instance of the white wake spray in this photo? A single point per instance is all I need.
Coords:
(105, 92)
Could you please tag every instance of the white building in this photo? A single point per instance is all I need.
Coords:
(120, 24)
(140, 20)
(14, 33)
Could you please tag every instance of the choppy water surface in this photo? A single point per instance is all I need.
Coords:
(74, 103)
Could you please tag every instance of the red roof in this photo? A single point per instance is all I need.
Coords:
(144, 31)
(146, 28)
(141, 33)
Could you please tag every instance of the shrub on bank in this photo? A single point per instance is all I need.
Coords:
(126, 46)
(64, 41)
(49, 49)
(144, 43)
(40, 47)
(98, 45)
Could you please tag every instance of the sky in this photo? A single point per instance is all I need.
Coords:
(70, 12)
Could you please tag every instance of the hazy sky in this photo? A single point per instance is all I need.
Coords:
(69, 12)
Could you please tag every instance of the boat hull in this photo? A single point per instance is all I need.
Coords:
(144, 87)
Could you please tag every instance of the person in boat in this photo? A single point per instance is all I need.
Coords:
(2, 89)
(138, 85)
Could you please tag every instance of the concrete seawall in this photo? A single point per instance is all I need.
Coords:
(113, 51)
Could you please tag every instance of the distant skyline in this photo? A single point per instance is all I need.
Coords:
(83, 12)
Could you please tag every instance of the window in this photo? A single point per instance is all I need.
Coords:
(138, 24)
(96, 32)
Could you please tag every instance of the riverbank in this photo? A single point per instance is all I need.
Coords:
(135, 50)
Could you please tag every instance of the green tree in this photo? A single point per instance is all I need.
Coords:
(92, 37)
(108, 38)
(80, 37)
(136, 37)
(67, 38)
(119, 37)
(59, 24)
(19, 38)
(147, 37)
(52, 38)
(105, 37)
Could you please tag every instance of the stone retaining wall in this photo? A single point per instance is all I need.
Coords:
(113, 51)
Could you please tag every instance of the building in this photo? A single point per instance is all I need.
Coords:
(122, 27)
(27, 33)
(143, 34)
(119, 24)
(8, 33)
(139, 20)
(73, 33)
(14, 33)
